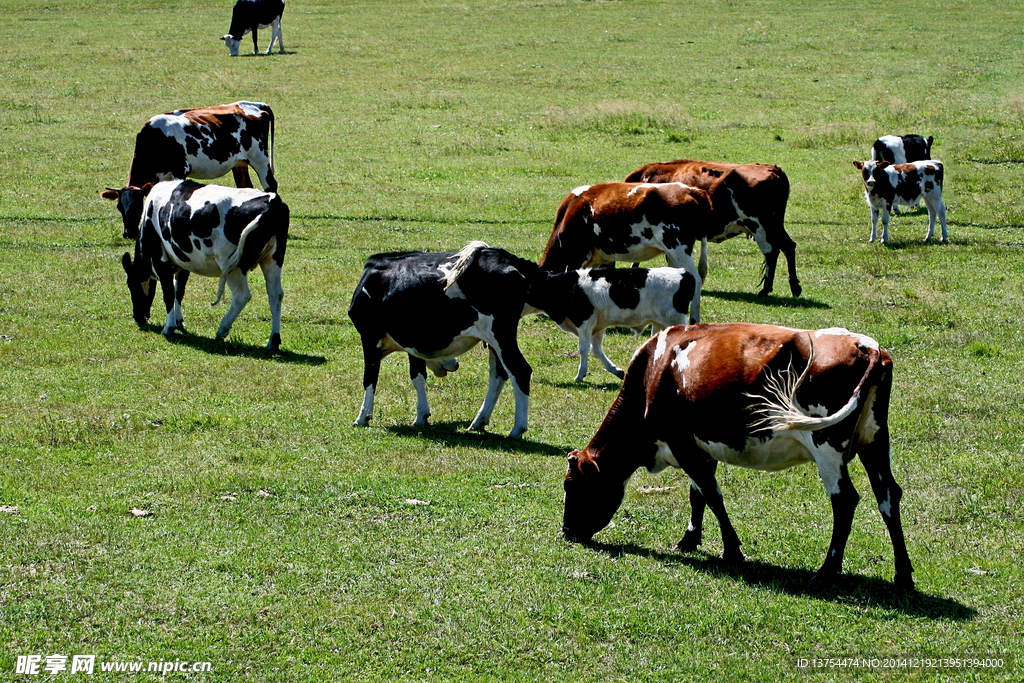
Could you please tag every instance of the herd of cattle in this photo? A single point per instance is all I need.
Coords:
(694, 395)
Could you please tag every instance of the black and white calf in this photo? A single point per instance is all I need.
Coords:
(902, 149)
(886, 185)
(436, 307)
(213, 231)
(251, 15)
(588, 301)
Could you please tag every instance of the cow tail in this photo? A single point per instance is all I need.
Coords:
(271, 112)
(235, 257)
(463, 260)
(779, 411)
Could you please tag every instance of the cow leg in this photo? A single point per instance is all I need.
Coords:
(372, 355)
(885, 223)
(585, 332)
(255, 46)
(275, 295)
(874, 224)
(794, 282)
(261, 164)
(599, 353)
(702, 476)
(241, 175)
(495, 383)
(844, 498)
(771, 260)
(418, 375)
(240, 296)
(170, 302)
(694, 531)
(180, 280)
(702, 268)
(275, 32)
(519, 371)
(877, 462)
(942, 220)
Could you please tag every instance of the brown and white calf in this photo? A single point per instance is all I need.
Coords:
(214, 231)
(601, 224)
(586, 302)
(887, 185)
(201, 143)
(746, 199)
(755, 396)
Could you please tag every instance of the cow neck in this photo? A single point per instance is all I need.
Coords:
(617, 447)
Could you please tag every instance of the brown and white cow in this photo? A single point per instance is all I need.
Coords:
(887, 185)
(746, 199)
(198, 143)
(755, 396)
(601, 224)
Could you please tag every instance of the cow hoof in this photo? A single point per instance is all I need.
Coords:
(688, 545)
(904, 583)
(478, 428)
(275, 343)
(168, 332)
(796, 288)
(619, 372)
(422, 422)
(764, 293)
(361, 422)
(516, 433)
(222, 335)
(733, 556)
(578, 379)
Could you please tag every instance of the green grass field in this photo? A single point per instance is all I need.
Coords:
(287, 545)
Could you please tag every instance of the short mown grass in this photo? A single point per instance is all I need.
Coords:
(286, 544)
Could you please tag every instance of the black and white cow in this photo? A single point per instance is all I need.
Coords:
(886, 185)
(902, 149)
(588, 301)
(213, 231)
(436, 307)
(251, 15)
(204, 143)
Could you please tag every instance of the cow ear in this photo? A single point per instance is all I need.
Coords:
(146, 188)
(126, 263)
(859, 165)
(111, 194)
(883, 164)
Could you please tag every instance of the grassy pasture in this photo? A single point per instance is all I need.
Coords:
(282, 545)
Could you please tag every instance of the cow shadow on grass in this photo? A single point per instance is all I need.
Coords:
(226, 347)
(451, 434)
(846, 589)
(774, 301)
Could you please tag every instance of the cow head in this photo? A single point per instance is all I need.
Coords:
(140, 286)
(871, 171)
(130, 201)
(232, 43)
(591, 497)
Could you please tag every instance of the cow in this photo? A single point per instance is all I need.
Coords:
(436, 307)
(755, 396)
(600, 224)
(251, 15)
(746, 199)
(201, 143)
(213, 231)
(586, 302)
(886, 185)
(902, 149)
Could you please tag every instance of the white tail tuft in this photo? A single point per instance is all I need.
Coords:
(463, 260)
(779, 411)
(235, 257)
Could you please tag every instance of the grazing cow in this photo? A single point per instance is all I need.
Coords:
(755, 396)
(902, 149)
(436, 307)
(586, 302)
(199, 143)
(886, 185)
(746, 199)
(213, 231)
(601, 224)
(251, 15)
